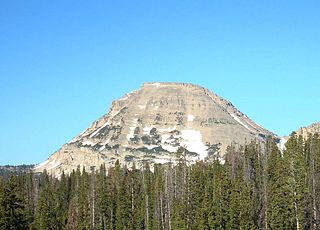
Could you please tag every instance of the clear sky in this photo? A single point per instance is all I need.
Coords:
(63, 62)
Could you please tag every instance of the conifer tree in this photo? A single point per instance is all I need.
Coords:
(295, 153)
(29, 196)
(159, 222)
(13, 206)
(197, 187)
(180, 202)
(103, 199)
(46, 211)
(136, 199)
(63, 196)
(148, 197)
(219, 200)
(316, 181)
(83, 205)
(73, 209)
(281, 213)
(1, 202)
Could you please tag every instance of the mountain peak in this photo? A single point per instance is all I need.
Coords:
(152, 123)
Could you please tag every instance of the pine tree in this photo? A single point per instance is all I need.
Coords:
(159, 222)
(29, 196)
(83, 205)
(46, 211)
(220, 196)
(136, 197)
(103, 199)
(148, 196)
(312, 147)
(1, 202)
(316, 182)
(197, 185)
(299, 157)
(281, 213)
(73, 209)
(63, 196)
(253, 175)
(180, 217)
(13, 206)
(124, 202)
(242, 201)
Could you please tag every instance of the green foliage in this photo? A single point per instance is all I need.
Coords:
(258, 187)
(1, 202)
(46, 212)
(12, 206)
(280, 194)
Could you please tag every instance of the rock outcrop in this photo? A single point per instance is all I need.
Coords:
(311, 129)
(152, 123)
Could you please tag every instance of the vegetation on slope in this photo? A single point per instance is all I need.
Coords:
(258, 187)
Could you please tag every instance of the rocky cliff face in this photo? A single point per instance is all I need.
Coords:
(311, 129)
(303, 131)
(152, 123)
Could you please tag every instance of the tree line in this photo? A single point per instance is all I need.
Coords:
(258, 187)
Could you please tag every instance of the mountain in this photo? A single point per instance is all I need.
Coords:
(311, 129)
(303, 131)
(7, 170)
(152, 123)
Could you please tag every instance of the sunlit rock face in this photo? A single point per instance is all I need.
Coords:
(311, 129)
(152, 123)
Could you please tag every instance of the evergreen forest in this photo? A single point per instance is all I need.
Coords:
(258, 187)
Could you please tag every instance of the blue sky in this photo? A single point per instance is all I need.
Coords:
(63, 62)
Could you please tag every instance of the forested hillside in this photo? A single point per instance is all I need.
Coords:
(7, 170)
(258, 187)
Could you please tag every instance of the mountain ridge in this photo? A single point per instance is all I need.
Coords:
(310, 129)
(152, 123)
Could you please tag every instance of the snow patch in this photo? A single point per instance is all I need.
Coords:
(221, 160)
(169, 129)
(132, 128)
(170, 148)
(126, 96)
(113, 114)
(161, 161)
(146, 130)
(42, 164)
(49, 164)
(151, 146)
(95, 132)
(192, 141)
(164, 138)
(190, 117)
(166, 143)
(240, 122)
(282, 143)
(53, 164)
(142, 106)
(77, 137)
(87, 142)
(157, 84)
(131, 133)
(83, 132)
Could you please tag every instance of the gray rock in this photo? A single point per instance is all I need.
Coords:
(152, 123)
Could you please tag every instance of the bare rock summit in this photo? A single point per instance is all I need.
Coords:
(151, 124)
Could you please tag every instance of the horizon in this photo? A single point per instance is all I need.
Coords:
(62, 65)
